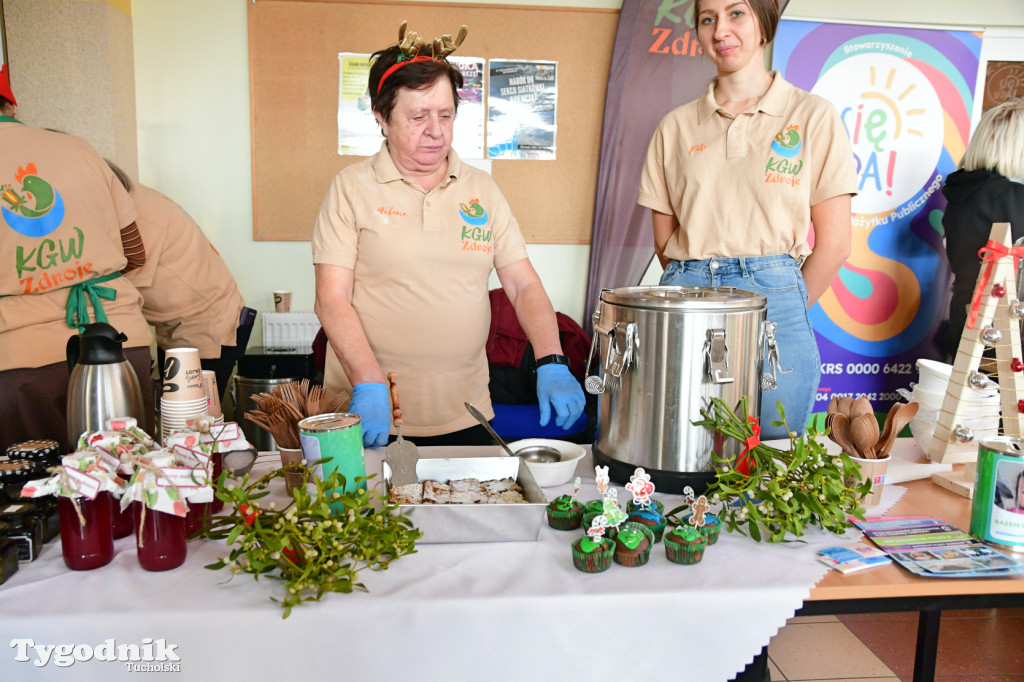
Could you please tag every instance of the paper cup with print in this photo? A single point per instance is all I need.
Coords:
(182, 375)
(282, 301)
(212, 393)
(872, 470)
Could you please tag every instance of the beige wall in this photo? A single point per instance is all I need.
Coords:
(71, 70)
(191, 69)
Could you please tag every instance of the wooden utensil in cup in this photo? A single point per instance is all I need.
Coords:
(861, 406)
(899, 416)
(839, 433)
(864, 434)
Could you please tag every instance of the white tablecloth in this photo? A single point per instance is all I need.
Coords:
(496, 611)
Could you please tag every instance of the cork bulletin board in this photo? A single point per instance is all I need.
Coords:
(293, 72)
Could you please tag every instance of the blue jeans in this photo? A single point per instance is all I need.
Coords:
(779, 280)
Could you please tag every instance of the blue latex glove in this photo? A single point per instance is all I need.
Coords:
(372, 403)
(558, 388)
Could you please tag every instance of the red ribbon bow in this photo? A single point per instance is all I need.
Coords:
(991, 253)
(744, 461)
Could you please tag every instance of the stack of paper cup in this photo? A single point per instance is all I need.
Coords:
(212, 394)
(183, 396)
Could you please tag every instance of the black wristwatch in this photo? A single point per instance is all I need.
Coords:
(553, 359)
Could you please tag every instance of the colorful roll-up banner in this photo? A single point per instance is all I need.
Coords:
(905, 96)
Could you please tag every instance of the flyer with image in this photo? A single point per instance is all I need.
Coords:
(931, 547)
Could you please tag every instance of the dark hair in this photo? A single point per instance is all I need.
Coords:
(121, 175)
(765, 11)
(415, 76)
(5, 104)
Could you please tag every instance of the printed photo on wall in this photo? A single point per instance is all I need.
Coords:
(358, 133)
(468, 138)
(522, 105)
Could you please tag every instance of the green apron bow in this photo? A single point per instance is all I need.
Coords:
(78, 309)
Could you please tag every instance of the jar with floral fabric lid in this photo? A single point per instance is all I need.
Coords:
(85, 485)
(159, 508)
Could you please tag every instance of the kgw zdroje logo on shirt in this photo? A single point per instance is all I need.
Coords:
(32, 207)
(474, 236)
(786, 144)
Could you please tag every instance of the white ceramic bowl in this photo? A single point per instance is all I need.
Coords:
(548, 474)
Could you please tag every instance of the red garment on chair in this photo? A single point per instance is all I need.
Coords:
(506, 340)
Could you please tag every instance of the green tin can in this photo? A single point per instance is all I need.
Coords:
(339, 436)
(997, 509)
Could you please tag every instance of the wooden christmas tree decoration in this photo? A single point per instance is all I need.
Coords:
(994, 320)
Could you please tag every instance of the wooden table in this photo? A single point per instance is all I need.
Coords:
(892, 588)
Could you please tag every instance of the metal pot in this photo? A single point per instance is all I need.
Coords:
(663, 352)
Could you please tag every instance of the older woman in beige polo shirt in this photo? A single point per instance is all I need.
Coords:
(733, 180)
(403, 247)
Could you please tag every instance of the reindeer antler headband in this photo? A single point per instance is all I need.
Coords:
(410, 45)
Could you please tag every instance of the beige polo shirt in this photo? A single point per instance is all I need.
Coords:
(189, 295)
(744, 185)
(61, 212)
(421, 262)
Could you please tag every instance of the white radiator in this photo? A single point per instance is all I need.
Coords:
(290, 330)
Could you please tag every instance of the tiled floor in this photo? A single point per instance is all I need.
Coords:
(974, 646)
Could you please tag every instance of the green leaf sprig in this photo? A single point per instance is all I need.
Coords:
(785, 491)
(319, 541)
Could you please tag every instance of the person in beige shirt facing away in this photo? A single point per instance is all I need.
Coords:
(188, 293)
(67, 233)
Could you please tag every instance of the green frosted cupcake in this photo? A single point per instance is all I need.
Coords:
(594, 506)
(565, 513)
(592, 557)
(657, 505)
(650, 518)
(685, 545)
(711, 529)
(633, 544)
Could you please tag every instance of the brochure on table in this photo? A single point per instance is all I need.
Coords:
(932, 548)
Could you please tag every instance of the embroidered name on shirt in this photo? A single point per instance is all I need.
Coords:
(390, 210)
(696, 148)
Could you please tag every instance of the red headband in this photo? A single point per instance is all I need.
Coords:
(399, 64)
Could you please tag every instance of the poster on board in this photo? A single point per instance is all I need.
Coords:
(358, 132)
(468, 138)
(905, 96)
(522, 109)
(1003, 80)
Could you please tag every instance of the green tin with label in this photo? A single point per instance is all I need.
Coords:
(338, 435)
(997, 509)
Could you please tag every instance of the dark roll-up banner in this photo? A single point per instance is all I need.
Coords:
(657, 66)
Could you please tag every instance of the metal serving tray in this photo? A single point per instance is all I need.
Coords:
(509, 522)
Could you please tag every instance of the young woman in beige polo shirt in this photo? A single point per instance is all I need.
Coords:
(734, 179)
(403, 247)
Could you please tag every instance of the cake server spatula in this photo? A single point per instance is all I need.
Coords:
(401, 455)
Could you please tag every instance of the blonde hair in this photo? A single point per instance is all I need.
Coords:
(998, 142)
